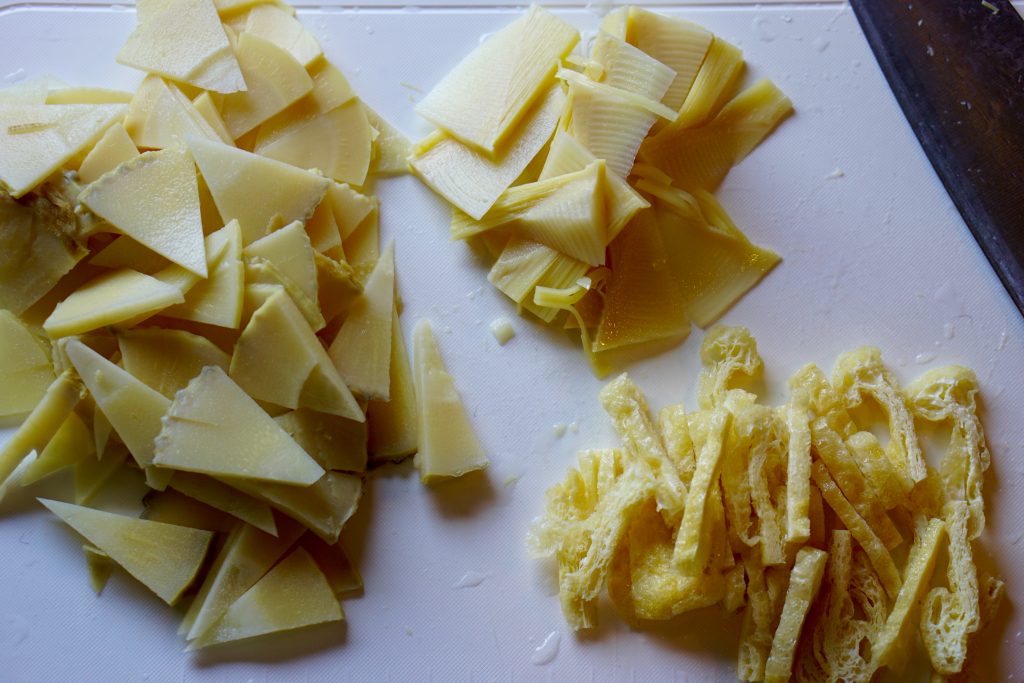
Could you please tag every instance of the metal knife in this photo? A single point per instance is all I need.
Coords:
(956, 68)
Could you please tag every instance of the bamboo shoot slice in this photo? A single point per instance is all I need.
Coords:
(164, 557)
(25, 370)
(337, 142)
(42, 423)
(642, 302)
(274, 79)
(214, 428)
(154, 199)
(713, 267)
(391, 148)
(124, 252)
(611, 126)
(482, 99)
(362, 349)
(677, 43)
(294, 594)
(113, 149)
(270, 22)
(183, 40)
(247, 555)
(134, 410)
(323, 230)
(167, 360)
(394, 430)
(337, 286)
(323, 508)
(111, 299)
(567, 155)
(473, 181)
(629, 68)
(291, 253)
(72, 442)
(36, 140)
(161, 116)
(520, 267)
(448, 444)
(336, 443)
(567, 213)
(714, 86)
(278, 359)
(260, 193)
(350, 208)
(701, 157)
(222, 497)
(218, 299)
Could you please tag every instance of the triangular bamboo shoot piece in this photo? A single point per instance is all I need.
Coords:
(323, 508)
(394, 424)
(448, 444)
(274, 79)
(260, 193)
(676, 43)
(263, 279)
(72, 442)
(183, 40)
(222, 497)
(294, 594)
(36, 140)
(111, 299)
(350, 208)
(473, 181)
(337, 143)
(714, 86)
(567, 213)
(362, 349)
(330, 87)
(484, 97)
(167, 360)
(270, 22)
(247, 555)
(134, 410)
(712, 262)
(161, 116)
(42, 423)
(278, 359)
(210, 112)
(112, 150)
(213, 427)
(337, 443)
(391, 148)
(100, 567)
(164, 557)
(25, 370)
(218, 299)
(291, 253)
(323, 230)
(154, 199)
(567, 155)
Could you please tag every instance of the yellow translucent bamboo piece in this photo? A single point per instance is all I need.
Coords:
(473, 181)
(484, 97)
(676, 43)
(25, 370)
(183, 40)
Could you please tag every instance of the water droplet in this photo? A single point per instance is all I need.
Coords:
(924, 357)
(930, 51)
(559, 429)
(949, 330)
(408, 631)
(1003, 338)
(548, 650)
(820, 44)
(763, 29)
(369, 30)
(470, 579)
(1019, 637)
(787, 19)
(574, 427)
(835, 174)
(15, 76)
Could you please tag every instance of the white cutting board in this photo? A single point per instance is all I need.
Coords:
(876, 256)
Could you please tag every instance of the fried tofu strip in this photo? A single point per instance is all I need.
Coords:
(804, 582)
(692, 542)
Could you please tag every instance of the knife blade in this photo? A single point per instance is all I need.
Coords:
(956, 67)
